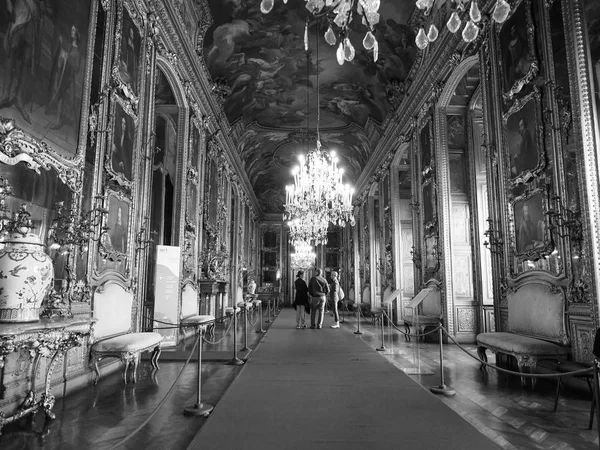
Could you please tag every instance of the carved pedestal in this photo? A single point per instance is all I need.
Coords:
(212, 295)
(49, 339)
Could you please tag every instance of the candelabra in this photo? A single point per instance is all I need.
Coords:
(72, 229)
(494, 242)
(563, 221)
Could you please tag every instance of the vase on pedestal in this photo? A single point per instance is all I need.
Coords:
(26, 275)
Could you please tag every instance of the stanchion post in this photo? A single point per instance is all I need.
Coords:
(442, 388)
(358, 320)
(268, 311)
(382, 348)
(260, 321)
(245, 348)
(235, 361)
(199, 408)
(597, 394)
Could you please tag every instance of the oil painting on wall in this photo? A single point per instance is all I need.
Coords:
(521, 139)
(121, 151)
(529, 224)
(43, 73)
(517, 55)
(129, 54)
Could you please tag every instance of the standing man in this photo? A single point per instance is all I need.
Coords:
(301, 300)
(318, 289)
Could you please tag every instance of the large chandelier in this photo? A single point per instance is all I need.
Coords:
(471, 28)
(340, 13)
(303, 256)
(318, 195)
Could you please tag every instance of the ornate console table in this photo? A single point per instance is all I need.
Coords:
(46, 338)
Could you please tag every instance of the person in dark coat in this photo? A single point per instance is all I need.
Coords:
(301, 299)
(318, 290)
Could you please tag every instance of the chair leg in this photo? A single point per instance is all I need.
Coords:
(155, 355)
(558, 386)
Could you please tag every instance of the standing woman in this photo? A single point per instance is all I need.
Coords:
(334, 291)
(301, 299)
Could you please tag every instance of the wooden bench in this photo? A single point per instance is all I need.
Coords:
(535, 328)
(113, 335)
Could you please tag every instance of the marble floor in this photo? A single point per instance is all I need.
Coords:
(149, 413)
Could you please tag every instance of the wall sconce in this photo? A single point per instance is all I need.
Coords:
(416, 257)
(563, 222)
(70, 228)
(494, 242)
(142, 242)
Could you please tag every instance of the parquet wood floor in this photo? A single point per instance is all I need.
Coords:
(98, 417)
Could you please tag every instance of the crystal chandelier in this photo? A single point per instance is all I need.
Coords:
(318, 195)
(471, 28)
(340, 13)
(303, 257)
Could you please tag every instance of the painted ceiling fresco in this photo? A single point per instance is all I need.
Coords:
(273, 84)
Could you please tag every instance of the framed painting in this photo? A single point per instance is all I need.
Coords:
(119, 163)
(523, 138)
(114, 243)
(127, 58)
(531, 240)
(46, 70)
(516, 48)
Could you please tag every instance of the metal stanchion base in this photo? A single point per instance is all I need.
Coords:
(443, 390)
(358, 332)
(261, 331)
(202, 409)
(381, 349)
(245, 349)
(235, 362)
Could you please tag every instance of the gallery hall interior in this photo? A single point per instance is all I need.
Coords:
(286, 224)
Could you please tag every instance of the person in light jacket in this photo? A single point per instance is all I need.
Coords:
(334, 295)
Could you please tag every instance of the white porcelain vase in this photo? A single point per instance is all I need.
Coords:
(26, 274)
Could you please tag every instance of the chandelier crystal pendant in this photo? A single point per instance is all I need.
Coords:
(454, 23)
(303, 256)
(340, 14)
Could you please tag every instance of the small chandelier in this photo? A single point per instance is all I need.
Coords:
(344, 11)
(303, 257)
(471, 28)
